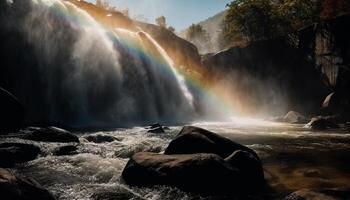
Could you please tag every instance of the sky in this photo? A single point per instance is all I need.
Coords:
(179, 13)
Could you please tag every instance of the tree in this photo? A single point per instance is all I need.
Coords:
(250, 20)
(161, 21)
(125, 12)
(172, 29)
(298, 13)
(198, 36)
(102, 4)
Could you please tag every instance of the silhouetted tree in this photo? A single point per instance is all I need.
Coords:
(199, 36)
(102, 4)
(161, 21)
(172, 29)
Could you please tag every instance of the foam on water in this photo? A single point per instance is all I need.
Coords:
(96, 169)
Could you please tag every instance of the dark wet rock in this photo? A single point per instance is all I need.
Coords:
(155, 125)
(99, 138)
(321, 123)
(14, 187)
(192, 140)
(65, 150)
(295, 118)
(13, 153)
(337, 103)
(312, 173)
(249, 167)
(326, 194)
(12, 113)
(49, 134)
(156, 130)
(203, 173)
(252, 70)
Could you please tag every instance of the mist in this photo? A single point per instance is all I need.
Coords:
(79, 73)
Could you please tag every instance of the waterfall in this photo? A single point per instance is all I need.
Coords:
(84, 74)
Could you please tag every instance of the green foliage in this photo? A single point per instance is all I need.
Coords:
(199, 36)
(161, 21)
(250, 20)
(172, 29)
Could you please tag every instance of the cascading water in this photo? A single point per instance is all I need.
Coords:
(83, 74)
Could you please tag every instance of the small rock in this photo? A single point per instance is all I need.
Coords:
(20, 188)
(294, 118)
(99, 138)
(156, 130)
(320, 123)
(49, 134)
(312, 173)
(155, 125)
(13, 153)
(65, 150)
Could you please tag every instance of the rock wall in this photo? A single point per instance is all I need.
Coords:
(327, 44)
(272, 75)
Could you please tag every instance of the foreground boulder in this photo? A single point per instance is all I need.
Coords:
(49, 134)
(11, 112)
(13, 153)
(192, 140)
(20, 188)
(203, 173)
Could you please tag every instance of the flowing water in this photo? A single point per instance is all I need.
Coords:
(82, 73)
(293, 158)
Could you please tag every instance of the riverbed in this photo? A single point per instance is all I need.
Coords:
(293, 156)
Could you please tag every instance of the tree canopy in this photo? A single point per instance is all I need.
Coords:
(250, 20)
(199, 36)
(161, 21)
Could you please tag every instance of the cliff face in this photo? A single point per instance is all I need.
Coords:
(62, 65)
(273, 76)
(184, 54)
(300, 69)
(327, 44)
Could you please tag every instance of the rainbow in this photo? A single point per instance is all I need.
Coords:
(218, 98)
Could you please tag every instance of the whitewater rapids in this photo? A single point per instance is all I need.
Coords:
(293, 158)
